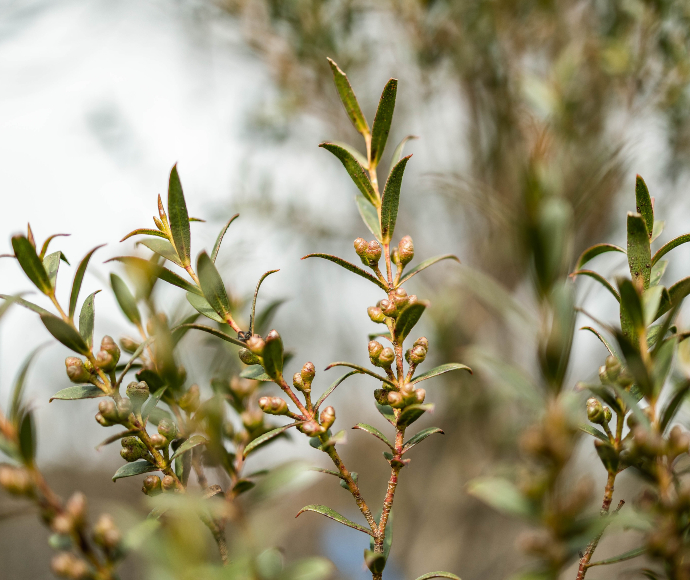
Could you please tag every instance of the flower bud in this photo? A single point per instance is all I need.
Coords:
(105, 532)
(158, 441)
(327, 417)
(395, 400)
(168, 483)
(129, 345)
(256, 344)
(168, 429)
(241, 388)
(248, 357)
(131, 454)
(15, 480)
(603, 377)
(412, 299)
(124, 409)
(109, 345)
(419, 396)
(76, 508)
(625, 379)
(151, 485)
(608, 415)
(191, 400)
(62, 524)
(595, 411)
(273, 405)
(67, 565)
(252, 419)
(76, 371)
(138, 393)
(388, 307)
(376, 314)
(361, 246)
(102, 420)
(105, 361)
(297, 381)
(308, 374)
(613, 367)
(423, 342)
(386, 357)
(375, 349)
(373, 253)
(312, 428)
(381, 396)
(406, 250)
(108, 409)
(415, 355)
(395, 256)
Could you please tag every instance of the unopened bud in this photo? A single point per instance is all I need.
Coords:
(105, 361)
(406, 250)
(311, 428)
(608, 415)
(15, 480)
(108, 409)
(625, 379)
(168, 429)
(415, 355)
(386, 357)
(105, 532)
(151, 485)
(76, 371)
(388, 307)
(327, 417)
(158, 441)
(375, 349)
(248, 357)
(308, 374)
(419, 396)
(412, 299)
(595, 411)
(102, 420)
(252, 419)
(129, 345)
(124, 409)
(168, 483)
(423, 342)
(191, 400)
(67, 565)
(62, 524)
(395, 400)
(273, 405)
(395, 256)
(256, 344)
(613, 367)
(297, 381)
(110, 346)
(373, 253)
(131, 454)
(76, 508)
(138, 392)
(376, 314)
(361, 246)
(241, 388)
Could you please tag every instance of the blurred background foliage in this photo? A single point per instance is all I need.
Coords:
(514, 101)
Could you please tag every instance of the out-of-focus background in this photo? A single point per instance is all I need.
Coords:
(512, 101)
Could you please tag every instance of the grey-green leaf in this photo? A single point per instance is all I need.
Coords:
(419, 437)
(599, 278)
(361, 159)
(382, 121)
(193, 441)
(594, 251)
(267, 437)
(78, 392)
(408, 318)
(629, 555)
(78, 279)
(334, 515)
(357, 173)
(594, 432)
(146, 232)
(162, 273)
(369, 215)
(425, 264)
(179, 218)
(163, 248)
(397, 154)
(375, 432)
(52, 264)
(391, 200)
(252, 318)
(136, 468)
(125, 299)
(25, 303)
(87, 318)
(201, 305)
(255, 373)
(439, 370)
(348, 98)
(210, 330)
(361, 369)
(273, 356)
(212, 285)
(644, 204)
(151, 403)
(413, 412)
(219, 239)
(639, 251)
(31, 263)
(351, 267)
(666, 248)
(65, 334)
(27, 438)
(502, 495)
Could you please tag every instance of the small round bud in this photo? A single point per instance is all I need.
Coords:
(168, 429)
(423, 342)
(595, 411)
(361, 246)
(151, 485)
(395, 400)
(256, 344)
(625, 379)
(417, 354)
(412, 299)
(130, 454)
(138, 393)
(395, 256)
(76, 508)
(62, 524)
(376, 314)
(124, 408)
(273, 405)
(108, 409)
(129, 345)
(312, 428)
(406, 250)
(76, 371)
(158, 441)
(110, 346)
(105, 532)
(388, 307)
(102, 420)
(308, 374)
(608, 415)
(191, 400)
(613, 367)
(168, 483)
(241, 388)
(419, 396)
(248, 357)
(375, 349)
(15, 480)
(386, 357)
(297, 381)
(105, 361)
(67, 565)
(373, 253)
(327, 417)
(252, 419)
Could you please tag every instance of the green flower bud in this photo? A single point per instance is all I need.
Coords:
(311, 428)
(308, 374)
(256, 344)
(613, 367)
(297, 381)
(151, 485)
(158, 441)
(108, 409)
(241, 388)
(373, 253)
(105, 532)
(327, 417)
(361, 246)
(130, 454)
(248, 357)
(252, 420)
(608, 415)
(191, 400)
(376, 314)
(381, 396)
(138, 393)
(395, 256)
(129, 345)
(76, 371)
(678, 441)
(419, 396)
(603, 376)
(387, 357)
(273, 405)
(595, 411)
(395, 400)
(423, 342)
(108, 345)
(415, 355)
(406, 250)
(105, 361)
(168, 483)
(625, 379)
(388, 307)
(124, 409)
(102, 420)
(132, 442)
(375, 349)
(168, 429)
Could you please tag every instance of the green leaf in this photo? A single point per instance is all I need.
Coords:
(632, 317)
(595, 251)
(424, 265)
(20, 383)
(334, 515)
(78, 279)
(387, 413)
(164, 249)
(639, 251)
(666, 248)
(644, 204)
(375, 562)
(26, 304)
(603, 340)
(361, 159)
(357, 173)
(397, 154)
(179, 219)
(657, 230)
(201, 305)
(594, 432)
(267, 437)
(221, 235)
(658, 270)
(115, 437)
(255, 373)
(31, 264)
(242, 486)
(150, 405)
(256, 294)
(351, 267)
(86, 319)
(214, 331)
(160, 272)
(65, 334)
(375, 432)
(212, 285)
(135, 468)
(125, 299)
(146, 232)
(273, 356)
(136, 354)
(429, 575)
(631, 403)
(369, 215)
(676, 294)
(629, 555)
(391, 200)
(361, 370)
(439, 370)
(599, 278)
(408, 318)
(651, 299)
(604, 393)
(52, 264)
(382, 121)
(78, 392)
(419, 437)
(27, 438)
(332, 388)
(673, 405)
(193, 441)
(608, 455)
(413, 412)
(348, 98)
(502, 495)
(44, 248)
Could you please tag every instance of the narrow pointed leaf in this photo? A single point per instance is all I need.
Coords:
(27, 438)
(361, 159)
(31, 263)
(369, 216)
(221, 235)
(132, 360)
(255, 373)
(408, 318)
(387, 413)
(179, 219)
(361, 370)
(391, 200)
(629, 555)
(439, 370)
(114, 438)
(273, 356)
(78, 279)
(44, 248)
(78, 392)
(397, 154)
(676, 294)
(193, 441)
(657, 230)
(20, 383)
(26, 304)
(86, 319)
(673, 405)
(334, 515)
(651, 299)
(425, 264)
(267, 437)
(413, 412)
(419, 437)
(382, 121)
(430, 575)
(375, 562)
(375, 432)
(332, 388)
(594, 432)
(357, 173)
(163, 248)
(256, 294)
(136, 468)
(210, 330)
(644, 204)
(599, 278)
(201, 305)
(52, 264)
(125, 299)
(150, 405)
(162, 273)
(145, 232)
(639, 251)
(212, 285)
(666, 248)
(603, 340)
(351, 267)
(631, 403)
(348, 98)
(65, 334)
(502, 495)
(595, 251)
(658, 270)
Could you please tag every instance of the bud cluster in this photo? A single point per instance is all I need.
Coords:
(417, 354)
(613, 373)
(111, 413)
(109, 355)
(303, 379)
(391, 307)
(368, 252)
(67, 565)
(133, 449)
(404, 253)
